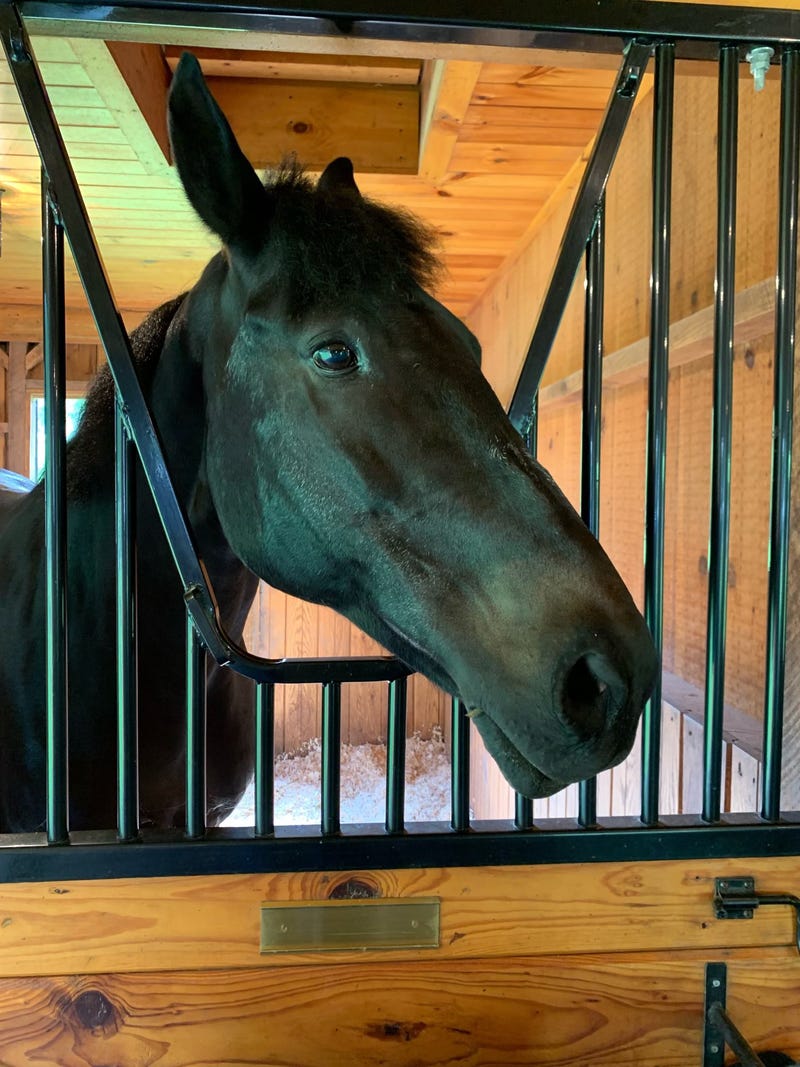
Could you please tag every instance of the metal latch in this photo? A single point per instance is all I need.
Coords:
(736, 898)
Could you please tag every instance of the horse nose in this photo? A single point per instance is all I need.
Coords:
(593, 692)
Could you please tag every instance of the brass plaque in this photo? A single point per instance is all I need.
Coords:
(329, 925)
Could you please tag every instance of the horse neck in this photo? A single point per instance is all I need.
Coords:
(178, 402)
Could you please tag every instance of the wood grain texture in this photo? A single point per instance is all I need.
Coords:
(488, 912)
(516, 1011)
(376, 126)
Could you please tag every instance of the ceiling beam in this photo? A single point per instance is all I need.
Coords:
(291, 66)
(447, 89)
(132, 80)
(376, 126)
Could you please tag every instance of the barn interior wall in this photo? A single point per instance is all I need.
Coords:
(503, 319)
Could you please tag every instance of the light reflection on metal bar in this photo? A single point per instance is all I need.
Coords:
(396, 757)
(264, 780)
(721, 431)
(331, 758)
(591, 430)
(459, 763)
(55, 502)
(657, 392)
(127, 719)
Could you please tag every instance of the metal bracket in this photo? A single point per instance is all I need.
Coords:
(736, 898)
(720, 1030)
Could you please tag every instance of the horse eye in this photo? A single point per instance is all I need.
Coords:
(335, 356)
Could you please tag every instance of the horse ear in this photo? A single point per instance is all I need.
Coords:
(338, 177)
(219, 181)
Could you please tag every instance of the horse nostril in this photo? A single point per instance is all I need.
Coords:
(593, 691)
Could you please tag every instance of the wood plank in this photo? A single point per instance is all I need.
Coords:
(23, 322)
(147, 77)
(132, 80)
(140, 925)
(520, 1011)
(447, 90)
(378, 128)
(292, 66)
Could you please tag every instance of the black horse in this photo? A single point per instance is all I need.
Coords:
(328, 429)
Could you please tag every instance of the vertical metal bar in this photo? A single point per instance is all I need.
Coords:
(459, 764)
(196, 791)
(523, 806)
(127, 720)
(331, 757)
(657, 390)
(55, 499)
(264, 783)
(396, 757)
(785, 301)
(721, 437)
(590, 433)
(579, 226)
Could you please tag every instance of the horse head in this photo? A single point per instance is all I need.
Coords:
(357, 457)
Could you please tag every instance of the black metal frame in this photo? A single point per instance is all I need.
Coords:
(644, 28)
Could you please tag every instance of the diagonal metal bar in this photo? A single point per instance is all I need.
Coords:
(198, 594)
(579, 228)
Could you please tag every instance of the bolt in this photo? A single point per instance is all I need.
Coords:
(759, 58)
(714, 1049)
(716, 983)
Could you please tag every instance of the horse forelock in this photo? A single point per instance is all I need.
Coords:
(92, 448)
(328, 243)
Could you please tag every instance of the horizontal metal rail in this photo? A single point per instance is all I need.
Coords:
(304, 848)
(580, 25)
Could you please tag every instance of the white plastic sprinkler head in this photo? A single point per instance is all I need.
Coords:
(759, 59)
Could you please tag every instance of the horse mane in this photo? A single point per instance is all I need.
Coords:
(331, 242)
(90, 453)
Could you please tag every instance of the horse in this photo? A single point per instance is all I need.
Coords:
(328, 429)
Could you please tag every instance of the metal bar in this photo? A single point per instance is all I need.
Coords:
(591, 428)
(459, 767)
(597, 27)
(721, 435)
(579, 227)
(657, 392)
(304, 849)
(396, 757)
(127, 719)
(733, 1037)
(785, 307)
(523, 806)
(55, 503)
(196, 788)
(331, 757)
(199, 597)
(264, 781)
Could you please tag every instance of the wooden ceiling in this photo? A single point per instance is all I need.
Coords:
(476, 149)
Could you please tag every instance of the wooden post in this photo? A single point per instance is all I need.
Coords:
(18, 449)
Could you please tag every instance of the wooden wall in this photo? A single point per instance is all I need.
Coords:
(600, 964)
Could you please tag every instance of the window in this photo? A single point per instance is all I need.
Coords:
(74, 405)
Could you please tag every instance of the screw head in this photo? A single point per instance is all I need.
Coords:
(716, 983)
(713, 1049)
